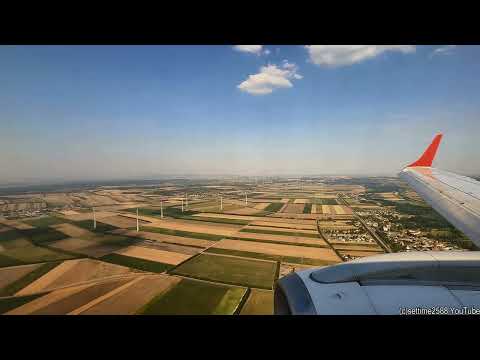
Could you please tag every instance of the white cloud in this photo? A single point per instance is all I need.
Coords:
(342, 55)
(270, 77)
(292, 68)
(287, 65)
(266, 52)
(253, 49)
(444, 50)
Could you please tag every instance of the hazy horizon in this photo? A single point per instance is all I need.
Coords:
(75, 113)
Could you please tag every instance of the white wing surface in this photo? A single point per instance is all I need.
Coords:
(455, 197)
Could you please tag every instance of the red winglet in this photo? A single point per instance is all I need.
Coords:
(427, 158)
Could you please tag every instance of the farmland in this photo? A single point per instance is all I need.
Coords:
(136, 263)
(259, 302)
(191, 297)
(230, 270)
(210, 256)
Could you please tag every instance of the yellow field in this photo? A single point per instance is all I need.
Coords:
(261, 206)
(73, 299)
(277, 249)
(12, 274)
(226, 216)
(245, 211)
(69, 212)
(293, 208)
(166, 257)
(89, 247)
(46, 300)
(130, 297)
(389, 196)
(72, 230)
(284, 224)
(72, 272)
(325, 196)
(99, 215)
(15, 224)
(165, 238)
(282, 238)
(122, 221)
(281, 220)
(301, 201)
(269, 228)
(197, 226)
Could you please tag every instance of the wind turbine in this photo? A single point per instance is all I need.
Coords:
(137, 220)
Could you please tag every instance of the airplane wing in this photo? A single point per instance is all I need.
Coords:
(392, 283)
(455, 197)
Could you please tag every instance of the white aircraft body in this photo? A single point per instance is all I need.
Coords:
(417, 283)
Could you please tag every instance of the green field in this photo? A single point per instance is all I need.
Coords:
(273, 207)
(191, 297)
(218, 220)
(229, 270)
(136, 263)
(290, 259)
(273, 232)
(215, 207)
(319, 245)
(6, 261)
(43, 234)
(88, 225)
(183, 233)
(13, 244)
(45, 222)
(307, 209)
(167, 211)
(30, 255)
(186, 215)
(193, 208)
(200, 206)
(11, 303)
(108, 239)
(12, 239)
(10, 235)
(259, 302)
(18, 285)
(323, 201)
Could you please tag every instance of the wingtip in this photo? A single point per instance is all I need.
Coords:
(429, 155)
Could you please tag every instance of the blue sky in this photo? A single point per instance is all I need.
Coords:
(107, 112)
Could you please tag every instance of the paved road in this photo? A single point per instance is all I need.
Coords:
(326, 240)
(370, 231)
